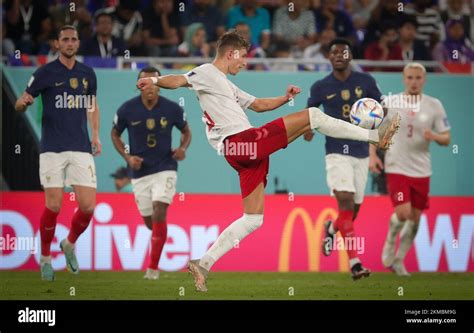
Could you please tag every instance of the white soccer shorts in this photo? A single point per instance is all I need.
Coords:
(160, 186)
(67, 168)
(347, 173)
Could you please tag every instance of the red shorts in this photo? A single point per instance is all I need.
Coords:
(404, 189)
(248, 153)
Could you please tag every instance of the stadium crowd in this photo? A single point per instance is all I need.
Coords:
(439, 30)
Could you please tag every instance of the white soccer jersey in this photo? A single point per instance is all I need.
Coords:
(223, 104)
(409, 155)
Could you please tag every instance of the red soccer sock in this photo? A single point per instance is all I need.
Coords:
(80, 222)
(47, 228)
(158, 239)
(345, 225)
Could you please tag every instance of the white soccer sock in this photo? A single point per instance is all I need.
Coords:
(407, 235)
(338, 128)
(354, 261)
(394, 228)
(230, 238)
(68, 244)
(45, 259)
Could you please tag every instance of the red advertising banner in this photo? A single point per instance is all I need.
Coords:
(289, 240)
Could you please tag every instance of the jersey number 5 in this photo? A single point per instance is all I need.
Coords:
(151, 140)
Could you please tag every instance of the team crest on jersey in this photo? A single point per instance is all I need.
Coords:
(85, 84)
(163, 122)
(150, 123)
(358, 91)
(74, 83)
(345, 94)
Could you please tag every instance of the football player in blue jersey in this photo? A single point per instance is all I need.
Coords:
(347, 161)
(68, 89)
(149, 119)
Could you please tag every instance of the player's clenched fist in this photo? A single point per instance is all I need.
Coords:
(375, 164)
(292, 91)
(308, 136)
(26, 100)
(179, 154)
(144, 83)
(135, 162)
(96, 146)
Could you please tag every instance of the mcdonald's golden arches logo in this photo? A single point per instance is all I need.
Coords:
(313, 237)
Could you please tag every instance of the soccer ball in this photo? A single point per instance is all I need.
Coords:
(366, 113)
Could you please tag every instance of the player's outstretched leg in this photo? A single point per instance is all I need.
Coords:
(230, 237)
(80, 222)
(300, 122)
(53, 198)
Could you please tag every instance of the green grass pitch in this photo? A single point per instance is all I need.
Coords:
(27, 285)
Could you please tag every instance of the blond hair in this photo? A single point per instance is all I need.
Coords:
(416, 65)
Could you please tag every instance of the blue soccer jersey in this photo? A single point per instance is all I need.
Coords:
(66, 95)
(149, 132)
(337, 97)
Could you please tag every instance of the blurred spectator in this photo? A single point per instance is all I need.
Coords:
(8, 46)
(203, 12)
(194, 44)
(320, 51)
(255, 51)
(103, 44)
(127, 25)
(360, 10)
(412, 49)
(160, 29)
(430, 26)
(74, 13)
(28, 24)
(386, 11)
(283, 51)
(257, 18)
(456, 48)
(53, 51)
(122, 180)
(296, 27)
(94, 5)
(329, 16)
(225, 5)
(386, 48)
(455, 12)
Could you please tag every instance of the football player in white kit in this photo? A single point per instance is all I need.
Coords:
(227, 126)
(408, 162)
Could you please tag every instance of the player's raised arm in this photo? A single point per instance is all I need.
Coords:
(168, 82)
(23, 102)
(268, 104)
